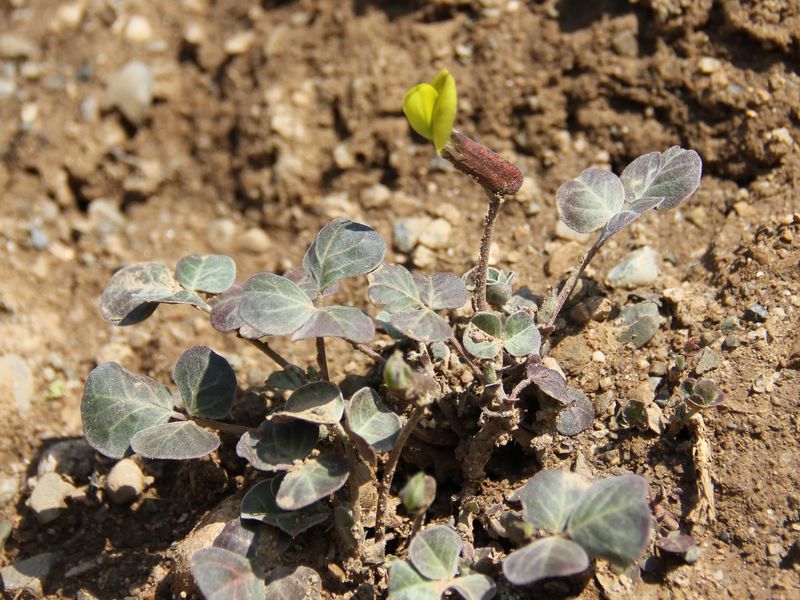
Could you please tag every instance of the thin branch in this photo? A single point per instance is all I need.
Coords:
(389, 469)
(462, 353)
(364, 349)
(322, 359)
(265, 348)
(518, 389)
(357, 530)
(563, 295)
(495, 201)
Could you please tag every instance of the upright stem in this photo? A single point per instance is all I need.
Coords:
(322, 359)
(354, 483)
(495, 200)
(570, 284)
(388, 472)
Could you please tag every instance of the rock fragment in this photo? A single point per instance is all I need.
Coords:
(49, 497)
(638, 269)
(130, 90)
(125, 482)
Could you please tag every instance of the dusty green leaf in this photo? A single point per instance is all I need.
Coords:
(587, 202)
(212, 273)
(474, 587)
(206, 382)
(337, 321)
(259, 504)
(393, 286)
(441, 290)
(370, 419)
(117, 404)
(318, 402)
(673, 175)
(483, 335)
(179, 440)
(134, 291)
(547, 557)
(405, 583)
(521, 335)
(421, 324)
(224, 575)
(612, 519)
(317, 478)
(274, 305)
(225, 309)
(343, 249)
(277, 446)
(549, 498)
(418, 493)
(434, 552)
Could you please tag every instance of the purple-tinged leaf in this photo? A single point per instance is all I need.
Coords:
(134, 291)
(673, 175)
(441, 290)
(576, 416)
(240, 537)
(212, 273)
(317, 478)
(225, 310)
(675, 543)
(343, 249)
(706, 394)
(337, 321)
(587, 202)
(474, 587)
(178, 440)
(549, 498)
(547, 557)
(184, 297)
(117, 404)
(290, 378)
(274, 304)
(434, 552)
(522, 337)
(306, 283)
(224, 575)
(206, 382)
(550, 381)
(277, 446)
(260, 504)
(422, 325)
(612, 519)
(370, 419)
(284, 583)
(393, 286)
(483, 335)
(318, 402)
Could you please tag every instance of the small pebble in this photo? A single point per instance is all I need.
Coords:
(598, 356)
(708, 361)
(16, 382)
(138, 30)
(131, 91)
(708, 65)
(756, 313)
(220, 234)
(239, 43)
(638, 269)
(15, 46)
(406, 233)
(565, 233)
(9, 486)
(255, 241)
(125, 482)
(375, 196)
(49, 497)
(5, 531)
(437, 235)
(74, 458)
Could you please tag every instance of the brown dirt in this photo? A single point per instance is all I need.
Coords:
(250, 139)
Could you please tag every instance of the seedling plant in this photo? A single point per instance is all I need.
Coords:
(317, 440)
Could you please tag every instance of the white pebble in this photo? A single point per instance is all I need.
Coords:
(125, 482)
(138, 30)
(131, 91)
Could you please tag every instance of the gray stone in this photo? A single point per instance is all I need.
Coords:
(9, 486)
(642, 321)
(74, 458)
(29, 575)
(16, 382)
(125, 482)
(638, 269)
(39, 239)
(406, 233)
(708, 361)
(220, 234)
(130, 90)
(255, 240)
(49, 497)
(105, 217)
(436, 235)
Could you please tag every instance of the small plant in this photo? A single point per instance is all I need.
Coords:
(314, 440)
(432, 567)
(608, 518)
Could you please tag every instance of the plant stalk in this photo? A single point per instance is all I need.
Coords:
(265, 348)
(388, 472)
(322, 359)
(231, 428)
(495, 200)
